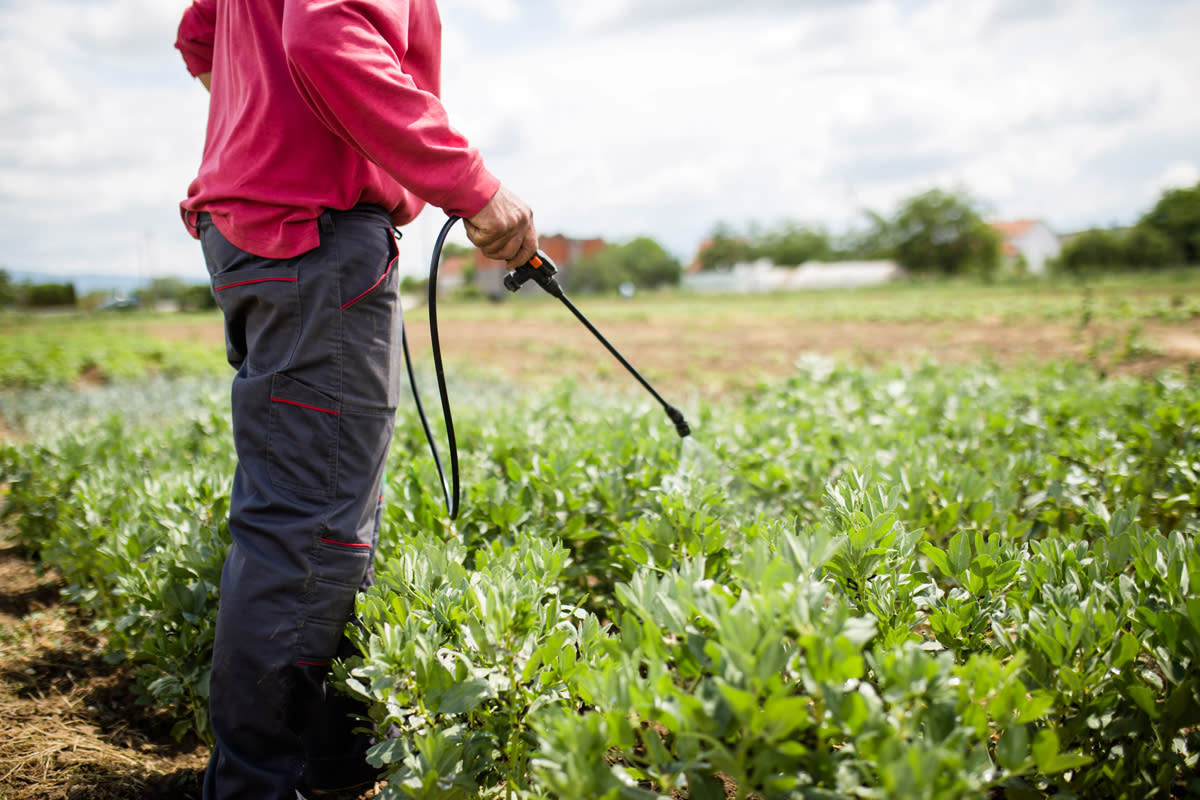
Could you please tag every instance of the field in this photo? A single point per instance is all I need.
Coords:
(929, 541)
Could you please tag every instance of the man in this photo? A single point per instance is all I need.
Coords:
(324, 130)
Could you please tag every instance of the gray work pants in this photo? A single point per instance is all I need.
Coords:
(316, 342)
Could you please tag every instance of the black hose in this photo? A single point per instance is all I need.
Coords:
(451, 490)
(541, 270)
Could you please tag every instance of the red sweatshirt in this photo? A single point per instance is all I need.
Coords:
(323, 104)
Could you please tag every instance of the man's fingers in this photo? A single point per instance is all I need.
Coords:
(513, 250)
(503, 230)
(492, 243)
(497, 247)
(516, 251)
(528, 250)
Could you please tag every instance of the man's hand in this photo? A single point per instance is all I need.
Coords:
(504, 230)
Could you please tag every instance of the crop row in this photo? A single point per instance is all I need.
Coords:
(931, 583)
(59, 350)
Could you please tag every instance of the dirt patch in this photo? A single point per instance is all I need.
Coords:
(72, 729)
(207, 333)
(738, 350)
(91, 377)
(1183, 344)
(24, 590)
(744, 350)
(8, 435)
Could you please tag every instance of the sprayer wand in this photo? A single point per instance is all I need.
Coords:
(541, 270)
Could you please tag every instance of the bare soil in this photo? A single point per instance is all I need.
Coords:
(741, 351)
(72, 728)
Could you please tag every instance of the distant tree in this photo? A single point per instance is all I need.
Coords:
(876, 241)
(162, 289)
(452, 249)
(642, 262)
(648, 264)
(100, 300)
(941, 233)
(599, 272)
(8, 292)
(1145, 247)
(1094, 250)
(90, 301)
(725, 248)
(48, 295)
(794, 244)
(196, 297)
(411, 284)
(1176, 216)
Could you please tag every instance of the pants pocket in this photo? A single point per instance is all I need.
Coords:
(371, 320)
(260, 299)
(302, 439)
(338, 569)
(262, 316)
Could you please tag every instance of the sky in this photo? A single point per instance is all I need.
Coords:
(657, 118)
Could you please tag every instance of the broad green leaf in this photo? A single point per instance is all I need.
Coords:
(1126, 650)
(463, 696)
(959, 553)
(1035, 706)
(389, 751)
(1045, 749)
(938, 556)
(1012, 748)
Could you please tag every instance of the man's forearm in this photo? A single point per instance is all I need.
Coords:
(206, 79)
(348, 67)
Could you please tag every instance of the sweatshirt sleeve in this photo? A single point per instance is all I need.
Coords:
(346, 59)
(195, 38)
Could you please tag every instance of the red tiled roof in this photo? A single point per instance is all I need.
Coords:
(1015, 228)
(562, 250)
(454, 265)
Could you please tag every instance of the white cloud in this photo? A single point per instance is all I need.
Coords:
(491, 10)
(96, 146)
(123, 29)
(627, 14)
(659, 117)
(1176, 175)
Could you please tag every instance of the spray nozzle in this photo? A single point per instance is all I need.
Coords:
(539, 268)
(681, 425)
(542, 270)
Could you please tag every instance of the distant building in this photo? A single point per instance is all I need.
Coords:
(1030, 241)
(697, 265)
(565, 251)
(562, 250)
(763, 276)
(452, 272)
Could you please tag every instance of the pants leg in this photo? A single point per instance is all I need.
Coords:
(316, 341)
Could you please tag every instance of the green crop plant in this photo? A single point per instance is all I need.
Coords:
(458, 662)
(929, 581)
